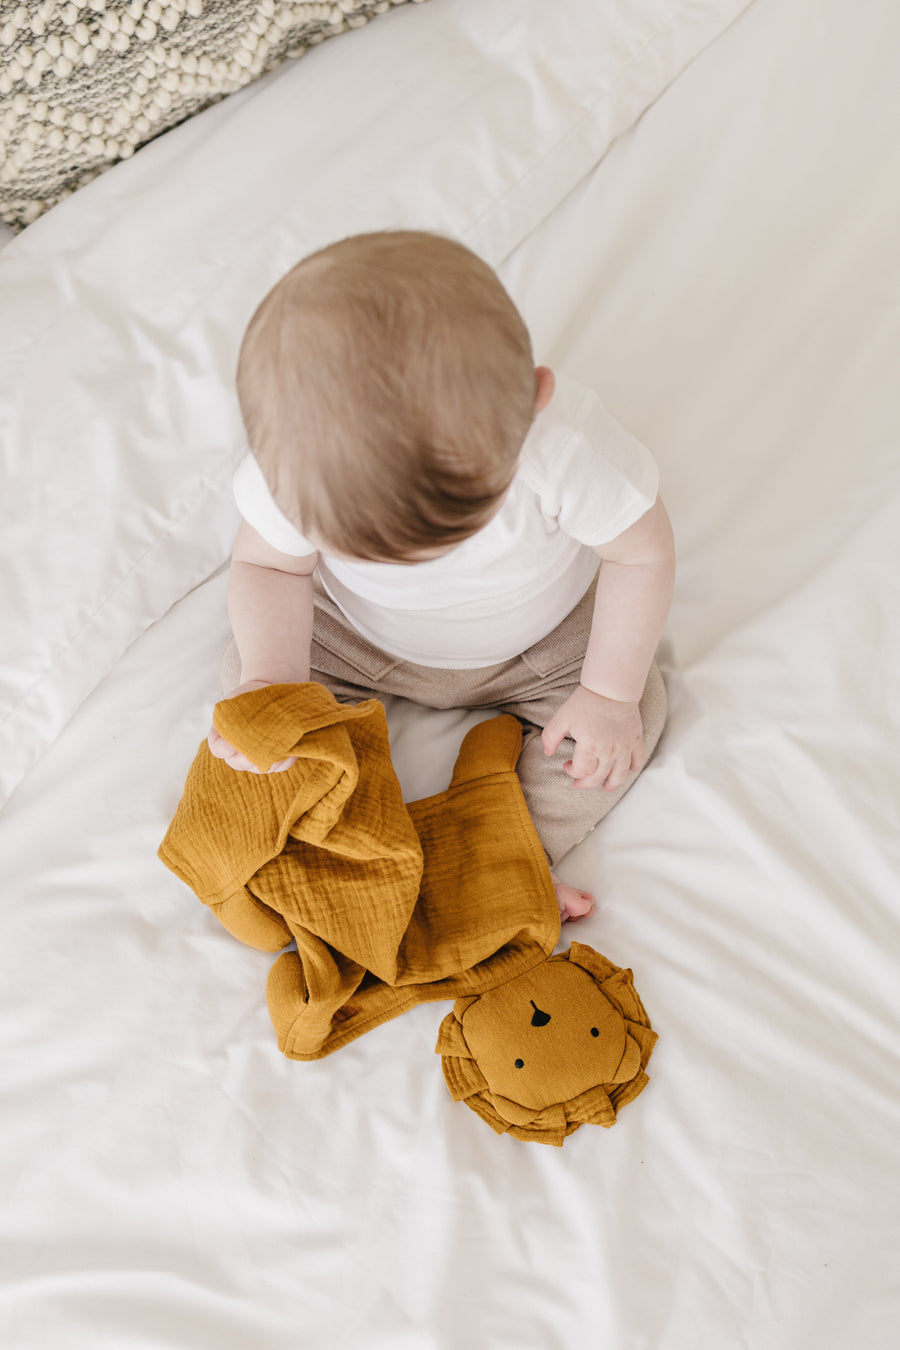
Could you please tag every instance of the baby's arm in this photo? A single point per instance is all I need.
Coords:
(634, 591)
(270, 604)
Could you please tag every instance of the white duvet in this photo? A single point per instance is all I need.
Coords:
(726, 274)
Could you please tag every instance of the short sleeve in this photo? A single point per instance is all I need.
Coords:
(593, 477)
(259, 508)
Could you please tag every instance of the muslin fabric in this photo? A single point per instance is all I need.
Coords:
(389, 905)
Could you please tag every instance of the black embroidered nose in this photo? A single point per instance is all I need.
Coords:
(539, 1019)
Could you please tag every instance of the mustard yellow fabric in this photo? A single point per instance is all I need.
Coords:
(389, 904)
(563, 1045)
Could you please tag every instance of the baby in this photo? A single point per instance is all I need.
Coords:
(424, 514)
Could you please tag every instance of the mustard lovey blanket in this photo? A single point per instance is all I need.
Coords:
(389, 904)
(386, 905)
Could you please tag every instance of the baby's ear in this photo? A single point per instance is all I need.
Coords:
(544, 388)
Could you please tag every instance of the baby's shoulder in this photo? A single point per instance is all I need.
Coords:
(564, 424)
(578, 453)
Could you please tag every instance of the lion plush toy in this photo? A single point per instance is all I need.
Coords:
(566, 1044)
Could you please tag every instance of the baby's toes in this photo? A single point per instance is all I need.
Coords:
(573, 903)
(580, 905)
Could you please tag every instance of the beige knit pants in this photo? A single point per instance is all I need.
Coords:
(531, 687)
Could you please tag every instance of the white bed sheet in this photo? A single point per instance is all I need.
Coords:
(123, 308)
(728, 277)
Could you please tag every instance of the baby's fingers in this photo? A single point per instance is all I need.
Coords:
(243, 765)
(585, 766)
(595, 779)
(626, 763)
(607, 771)
(618, 773)
(218, 745)
(283, 764)
(553, 733)
(223, 749)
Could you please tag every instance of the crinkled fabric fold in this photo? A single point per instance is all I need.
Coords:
(389, 904)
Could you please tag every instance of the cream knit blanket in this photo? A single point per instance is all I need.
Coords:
(83, 83)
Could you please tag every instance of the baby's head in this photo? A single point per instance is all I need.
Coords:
(387, 384)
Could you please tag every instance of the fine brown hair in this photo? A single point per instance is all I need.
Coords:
(387, 384)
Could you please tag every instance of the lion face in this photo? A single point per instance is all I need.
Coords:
(547, 1036)
(564, 1045)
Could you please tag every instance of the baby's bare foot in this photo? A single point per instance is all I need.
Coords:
(573, 904)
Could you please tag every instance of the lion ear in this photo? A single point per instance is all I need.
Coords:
(591, 961)
(451, 1040)
(620, 991)
(630, 1063)
(463, 1077)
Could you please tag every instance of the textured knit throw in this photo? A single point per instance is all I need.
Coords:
(83, 83)
(389, 904)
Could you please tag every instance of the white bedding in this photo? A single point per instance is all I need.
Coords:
(727, 277)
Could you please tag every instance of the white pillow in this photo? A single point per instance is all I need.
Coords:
(123, 307)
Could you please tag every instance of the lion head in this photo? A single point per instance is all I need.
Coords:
(566, 1044)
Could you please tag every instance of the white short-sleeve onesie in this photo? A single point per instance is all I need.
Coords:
(581, 480)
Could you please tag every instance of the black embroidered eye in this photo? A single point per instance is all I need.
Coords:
(520, 1064)
(594, 1031)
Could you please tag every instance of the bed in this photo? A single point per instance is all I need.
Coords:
(697, 208)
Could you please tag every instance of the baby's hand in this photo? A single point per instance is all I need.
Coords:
(608, 736)
(223, 749)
